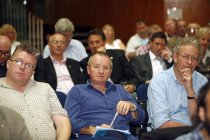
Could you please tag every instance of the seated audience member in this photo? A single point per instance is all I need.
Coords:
(60, 72)
(36, 102)
(203, 36)
(170, 28)
(121, 72)
(139, 39)
(111, 42)
(96, 102)
(155, 61)
(201, 119)
(9, 31)
(181, 28)
(5, 48)
(172, 93)
(75, 50)
(192, 28)
(143, 49)
(12, 125)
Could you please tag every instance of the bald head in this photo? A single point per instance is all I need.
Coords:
(5, 48)
(5, 44)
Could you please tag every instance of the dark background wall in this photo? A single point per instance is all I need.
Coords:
(122, 14)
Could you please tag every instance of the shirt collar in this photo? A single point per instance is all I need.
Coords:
(151, 55)
(5, 85)
(62, 61)
(108, 84)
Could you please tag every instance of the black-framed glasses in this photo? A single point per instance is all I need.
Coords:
(20, 63)
(4, 54)
(188, 57)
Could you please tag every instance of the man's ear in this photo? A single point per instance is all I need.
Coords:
(201, 113)
(8, 63)
(175, 56)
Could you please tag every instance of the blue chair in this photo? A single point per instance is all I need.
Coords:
(142, 92)
(142, 100)
(62, 97)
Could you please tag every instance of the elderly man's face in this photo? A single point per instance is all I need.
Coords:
(99, 69)
(186, 57)
(5, 47)
(170, 27)
(57, 45)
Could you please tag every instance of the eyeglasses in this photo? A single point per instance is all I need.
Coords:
(20, 63)
(4, 54)
(188, 57)
(56, 42)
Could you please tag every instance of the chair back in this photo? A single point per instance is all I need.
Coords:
(142, 92)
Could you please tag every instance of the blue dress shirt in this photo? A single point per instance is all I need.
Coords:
(86, 106)
(167, 98)
(75, 50)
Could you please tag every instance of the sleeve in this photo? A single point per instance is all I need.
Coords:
(56, 108)
(130, 46)
(157, 105)
(83, 51)
(72, 105)
(137, 68)
(127, 70)
(127, 97)
(39, 74)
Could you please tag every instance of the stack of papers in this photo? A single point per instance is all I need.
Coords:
(100, 131)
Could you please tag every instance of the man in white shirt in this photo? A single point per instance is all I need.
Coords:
(156, 60)
(139, 39)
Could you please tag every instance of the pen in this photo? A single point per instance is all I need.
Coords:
(113, 119)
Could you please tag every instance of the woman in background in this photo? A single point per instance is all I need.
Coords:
(9, 31)
(111, 42)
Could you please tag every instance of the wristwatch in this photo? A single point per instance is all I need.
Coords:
(134, 105)
(191, 97)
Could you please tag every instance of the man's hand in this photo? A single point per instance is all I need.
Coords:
(129, 88)
(105, 126)
(186, 75)
(123, 107)
(166, 54)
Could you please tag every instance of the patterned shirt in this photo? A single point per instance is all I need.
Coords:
(36, 104)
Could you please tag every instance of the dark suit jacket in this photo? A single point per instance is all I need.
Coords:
(121, 72)
(3, 70)
(45, 72)
(142, 67)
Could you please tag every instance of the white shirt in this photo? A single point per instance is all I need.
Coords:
(134, 42)
(64, 80)
(158, 64)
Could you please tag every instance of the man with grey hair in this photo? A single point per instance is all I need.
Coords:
(75, 49)
(5, 48)
(172, 93)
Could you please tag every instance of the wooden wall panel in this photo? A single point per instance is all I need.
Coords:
(122, 14)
